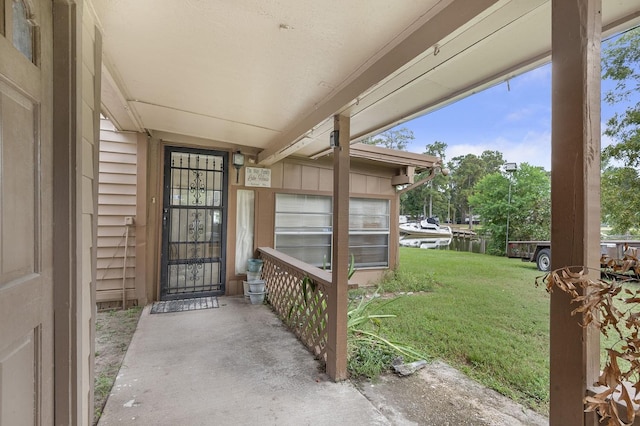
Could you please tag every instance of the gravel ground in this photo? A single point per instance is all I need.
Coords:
(439, 395)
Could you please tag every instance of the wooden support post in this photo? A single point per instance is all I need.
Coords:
(337, 310)
(575, 197)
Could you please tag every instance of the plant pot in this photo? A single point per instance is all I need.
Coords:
(256, 286)
(254, 265)
(253, 276)
(256, 298)
(245, 285)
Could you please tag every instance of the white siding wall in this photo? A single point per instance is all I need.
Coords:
(116, 201)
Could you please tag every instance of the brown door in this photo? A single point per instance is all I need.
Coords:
(26, 296)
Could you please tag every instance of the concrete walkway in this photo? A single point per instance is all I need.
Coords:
(232, 365)
(238, 365)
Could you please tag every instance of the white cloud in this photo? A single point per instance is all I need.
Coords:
(520, 114)
(534, 148)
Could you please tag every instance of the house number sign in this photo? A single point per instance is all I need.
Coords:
(254, 176)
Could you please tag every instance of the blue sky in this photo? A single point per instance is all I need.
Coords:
(513, 118)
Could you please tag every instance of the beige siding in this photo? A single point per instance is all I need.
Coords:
(90, 107)
(317, 176)
(116, 200)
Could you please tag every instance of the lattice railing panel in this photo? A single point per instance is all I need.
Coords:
(298, 293)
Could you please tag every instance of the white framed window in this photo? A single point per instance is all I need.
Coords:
(304, 225)
(369, 232)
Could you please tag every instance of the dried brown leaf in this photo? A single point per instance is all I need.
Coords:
(596, 301)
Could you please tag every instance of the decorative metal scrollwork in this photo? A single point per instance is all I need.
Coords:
(196, 229)
(196, 232)
(197, 187)
(194, 268)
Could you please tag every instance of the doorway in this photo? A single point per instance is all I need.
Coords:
(194, 223)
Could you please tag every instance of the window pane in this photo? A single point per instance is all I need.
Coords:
(303, 227)
(303, 222)
(369, 257)
(298, 203)
(363, 240)
(22, 30)
(368, 206)
(312, 255)
(309, 240)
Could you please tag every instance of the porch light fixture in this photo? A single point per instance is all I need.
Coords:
(238, 162)
(334, 139)
(510, 168)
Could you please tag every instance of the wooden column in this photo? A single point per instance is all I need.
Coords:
(575, 197)
(142, 187)
(67, 210)
(337, 310)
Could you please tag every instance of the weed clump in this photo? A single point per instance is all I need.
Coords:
(369, 352)
(405, 281)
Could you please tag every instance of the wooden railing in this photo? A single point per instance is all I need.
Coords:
(298, 293)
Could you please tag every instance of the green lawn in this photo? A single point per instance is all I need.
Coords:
(485, 316)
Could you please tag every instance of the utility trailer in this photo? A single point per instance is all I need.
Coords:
(612, 252)
(531, 251)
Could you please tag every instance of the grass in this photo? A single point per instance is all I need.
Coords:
(103, 383)
(484, 315)
(114, 330)
(613, 340)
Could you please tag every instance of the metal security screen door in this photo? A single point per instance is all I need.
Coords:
(194, 223)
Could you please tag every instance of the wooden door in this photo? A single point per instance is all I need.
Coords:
(26, 293)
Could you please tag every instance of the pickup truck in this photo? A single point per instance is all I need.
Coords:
(540, 251)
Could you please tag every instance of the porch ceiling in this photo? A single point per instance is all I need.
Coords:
(270, 74)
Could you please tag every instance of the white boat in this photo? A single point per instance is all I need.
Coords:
(426, 228)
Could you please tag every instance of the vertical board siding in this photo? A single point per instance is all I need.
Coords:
(116, 200)
(297, 175)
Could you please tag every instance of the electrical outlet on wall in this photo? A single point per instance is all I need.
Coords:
(128, 220)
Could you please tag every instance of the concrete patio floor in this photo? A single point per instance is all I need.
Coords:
(238, 365)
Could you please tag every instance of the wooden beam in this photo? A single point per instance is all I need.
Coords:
(575, 197)
(338, 298)
(442, 21)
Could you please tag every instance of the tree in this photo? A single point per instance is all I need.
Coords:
(436, 193)
(529, 211)
(621, 185)
(392, 139)
(620, 198)
(620, 61)
(466, 171)
(430, 199)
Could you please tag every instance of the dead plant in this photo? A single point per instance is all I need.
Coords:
(613, 309)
